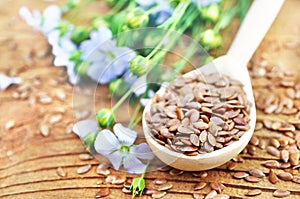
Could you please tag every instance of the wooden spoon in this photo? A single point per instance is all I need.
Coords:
(256, 23)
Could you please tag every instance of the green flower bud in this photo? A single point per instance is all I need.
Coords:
(89, 141)
(211, 12)
(105, 118)
(139, 65)
(79, 34)
(98, 22)
(137, 18)
(210, 39)
(137, 186)
(118, 87)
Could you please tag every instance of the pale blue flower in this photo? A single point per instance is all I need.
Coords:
(160, 13)
(107, 60)
(6, 81)
(84, 127)
(119, 148)
(137, 84)
(62, 49)
(45, 22)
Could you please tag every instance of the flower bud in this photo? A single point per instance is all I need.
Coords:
(118, 87)
(210, 39)
(137, 18)
(79, 34)
(105, 118)
(139, 65)
(81, 68)
(211, 12)
(98, 22)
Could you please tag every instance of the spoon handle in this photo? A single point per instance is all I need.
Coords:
(258, 20)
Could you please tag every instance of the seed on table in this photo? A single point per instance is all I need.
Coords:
(85, 156)
(9, 125)
(54, 119)
(273, 177)
(160, 181)
(103, 192)
(262, 144)
(284, 155)
(258, 126)
(118, 180)
(252, 179)
(283, 142)
(272, 164)
(275, 143)
(158, 194)
(44, 130)
(253, 192)
(232, 165)
(198, 196)
(296, 179)
(61, 172)
(102, 169)
(240, 175)
(216, 186)
(175, 172)
(222, 196)
(294, 156)
(273, 151)
(164, 187)
(285, 176)
(281, 193)
(126, 190)
(200, 125)
(211, 194)
(254, 140)
(84, 169)
(200, 186)
(251, 149)
(257, 173)
(285, 165)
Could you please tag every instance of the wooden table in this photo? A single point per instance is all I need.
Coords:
(29, 161)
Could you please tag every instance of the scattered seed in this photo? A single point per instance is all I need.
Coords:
(175, 172)
(211, 194)
(296, 179)
(44, 130)
(253, 192)
(284, 155)
(254, 140)
(273, 151)
(252, 179)
(158, 194)
(61, 172)
(232, 165)
(294, 156)
(102, 169)
(240, 175)
(164, 187)
(275, 143)
(60, 94)
(126, 190)
(216, 186)
(281, 193)
(222, 196)
(118, 180)
(103, 192)
(9, 125)
(257, 173)
(200, 186)
(110, 178)
(273, 177)
(285, 176)
(54, 119)
(85, 156)
(198, 196)
(272, 164)
(84, 169)
(160, 181)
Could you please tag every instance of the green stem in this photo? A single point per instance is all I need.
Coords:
(123, 98)
(135, 114)
(172, 28)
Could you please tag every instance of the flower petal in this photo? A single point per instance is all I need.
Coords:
(142, 151)
(140, 85)
(115, 159)
(134, 165)
(106, 142)
(125, 135)
(82, 128)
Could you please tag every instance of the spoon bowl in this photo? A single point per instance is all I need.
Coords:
(232, 64)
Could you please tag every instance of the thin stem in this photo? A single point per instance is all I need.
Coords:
(137, 121)
(123, 98)
(172, 28)
(135, 114)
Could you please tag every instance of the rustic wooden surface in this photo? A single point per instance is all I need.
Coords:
(29, 160)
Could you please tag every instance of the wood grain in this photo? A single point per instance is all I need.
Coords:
(29, 161)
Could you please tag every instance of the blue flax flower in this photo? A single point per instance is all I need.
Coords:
(45, 22)
(118, 147)
(107, 60)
